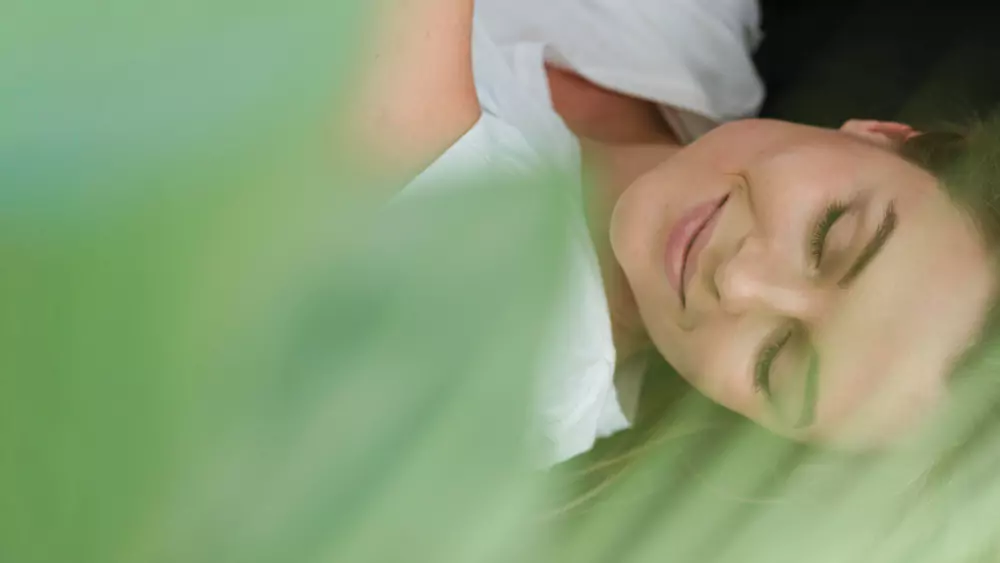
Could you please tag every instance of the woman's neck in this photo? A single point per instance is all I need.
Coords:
(608, 171)
(621, 138)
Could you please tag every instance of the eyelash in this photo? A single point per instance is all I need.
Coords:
(818, 241)
(762, 371)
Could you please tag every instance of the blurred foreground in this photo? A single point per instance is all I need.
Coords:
(213, 351)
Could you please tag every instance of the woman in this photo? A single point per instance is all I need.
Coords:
(815, 281)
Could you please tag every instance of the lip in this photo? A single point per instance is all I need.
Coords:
(687, 239)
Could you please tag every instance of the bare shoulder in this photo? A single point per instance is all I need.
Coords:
(416, 94)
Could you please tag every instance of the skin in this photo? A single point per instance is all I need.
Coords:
(883, 344)
(413, 93)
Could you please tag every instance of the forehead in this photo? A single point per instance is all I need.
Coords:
(896, 331)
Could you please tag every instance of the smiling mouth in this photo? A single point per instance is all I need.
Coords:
(686, 240)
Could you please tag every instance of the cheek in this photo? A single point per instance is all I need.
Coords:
(875, 402)
(714, 361)
(643, 216)
(632, 217)
(786, 202)
(647, 208)
(726, 379)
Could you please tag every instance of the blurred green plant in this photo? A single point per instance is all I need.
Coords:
(211, 350)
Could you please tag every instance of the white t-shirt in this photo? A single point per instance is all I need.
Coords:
(691, 56)
(701, 74)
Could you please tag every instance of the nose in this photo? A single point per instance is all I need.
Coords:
(760, 278)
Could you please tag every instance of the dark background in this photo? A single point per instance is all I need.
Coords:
(925, 62)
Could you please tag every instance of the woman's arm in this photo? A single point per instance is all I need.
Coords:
(605, 116)
(416, 95)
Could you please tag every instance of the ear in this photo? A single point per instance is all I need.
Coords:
(886, 134)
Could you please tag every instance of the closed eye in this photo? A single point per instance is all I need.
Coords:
(762, 378)
(821, 230)
(765, 358)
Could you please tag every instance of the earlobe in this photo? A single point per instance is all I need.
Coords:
(886, 134)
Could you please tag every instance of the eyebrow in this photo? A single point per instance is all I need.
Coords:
(874, 246)
(810, 394)
(808, 414)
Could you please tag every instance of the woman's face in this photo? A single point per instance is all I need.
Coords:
(806, 278)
